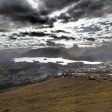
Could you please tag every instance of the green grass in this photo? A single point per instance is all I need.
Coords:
(59, 95)
(2, 76)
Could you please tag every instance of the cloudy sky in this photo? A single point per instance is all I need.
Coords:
(39, 10)
(80, 19)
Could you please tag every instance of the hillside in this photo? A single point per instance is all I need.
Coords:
(59, 95)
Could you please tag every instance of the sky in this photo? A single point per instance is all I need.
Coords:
(42, 11)
(63, 22)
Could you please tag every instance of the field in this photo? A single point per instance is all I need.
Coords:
(59, 95)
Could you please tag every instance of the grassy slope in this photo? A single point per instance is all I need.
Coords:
(59, 95)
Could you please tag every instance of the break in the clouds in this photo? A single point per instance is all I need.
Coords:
(41, 11)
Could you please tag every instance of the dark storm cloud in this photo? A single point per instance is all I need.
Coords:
(87, 8)
(58, 4)
(24, 10)
(91, 8)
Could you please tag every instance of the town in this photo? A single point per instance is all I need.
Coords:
(19, 74)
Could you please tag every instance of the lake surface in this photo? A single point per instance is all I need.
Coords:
(53, 60)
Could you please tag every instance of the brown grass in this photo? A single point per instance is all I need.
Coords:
(59, 95)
